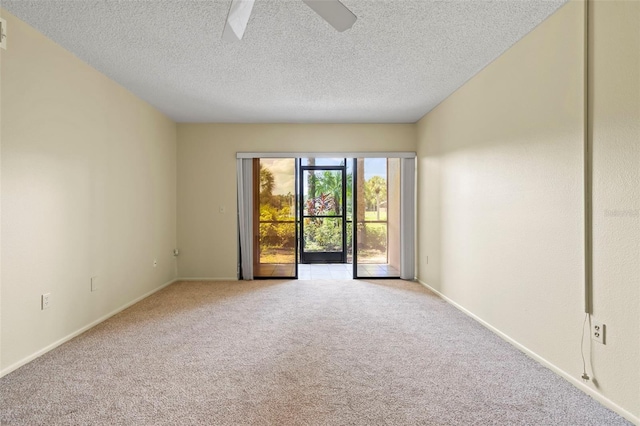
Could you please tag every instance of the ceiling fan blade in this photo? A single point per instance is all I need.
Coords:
(237, 19)
(334, 12)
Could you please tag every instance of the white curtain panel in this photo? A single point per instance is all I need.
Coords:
(245, 213)
(407, 218)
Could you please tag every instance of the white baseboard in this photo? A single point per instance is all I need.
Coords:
(574, 381)
(68, 337)
(207, 279)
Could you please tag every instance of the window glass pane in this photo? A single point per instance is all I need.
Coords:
(322, 235)
(372, 243)
(349, 189)
(277, 242)
(323, 161)
(275, 224)
(322, 192)
(378, 214)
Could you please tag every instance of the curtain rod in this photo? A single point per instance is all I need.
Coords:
(389, 154)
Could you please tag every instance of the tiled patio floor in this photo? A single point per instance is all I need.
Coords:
(335, 271)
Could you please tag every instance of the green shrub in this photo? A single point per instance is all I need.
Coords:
(322, 235)
(374, 237)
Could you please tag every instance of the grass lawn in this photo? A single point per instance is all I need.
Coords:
(372, 215)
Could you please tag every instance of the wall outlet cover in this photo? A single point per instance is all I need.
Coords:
(45, 301)
(598, 331)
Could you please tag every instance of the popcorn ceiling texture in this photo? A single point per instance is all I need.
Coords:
(400, 59)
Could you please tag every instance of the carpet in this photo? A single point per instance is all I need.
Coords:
(317, 352)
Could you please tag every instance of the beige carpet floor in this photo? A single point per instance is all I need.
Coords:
(292, 353)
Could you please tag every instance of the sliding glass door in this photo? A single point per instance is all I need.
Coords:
(275, 218)
(377, 202)
(330, 210)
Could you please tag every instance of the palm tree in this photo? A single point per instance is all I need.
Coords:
(330, 183)
(267, 184)
(376, 190)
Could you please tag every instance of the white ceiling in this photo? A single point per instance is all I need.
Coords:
(400, 59)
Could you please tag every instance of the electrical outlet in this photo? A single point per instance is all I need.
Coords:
(155, 263)
(598, 331)
(46, 300)
(94, 283)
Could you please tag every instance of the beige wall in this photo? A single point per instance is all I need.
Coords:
(207, 170)
(501, 196)
(615, 86)
(88, 189)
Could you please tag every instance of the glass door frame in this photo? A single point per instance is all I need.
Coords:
(349, 210)
(343, 210)
(257, 221)
(354, 216)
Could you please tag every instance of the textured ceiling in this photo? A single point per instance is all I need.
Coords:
(400, 59)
